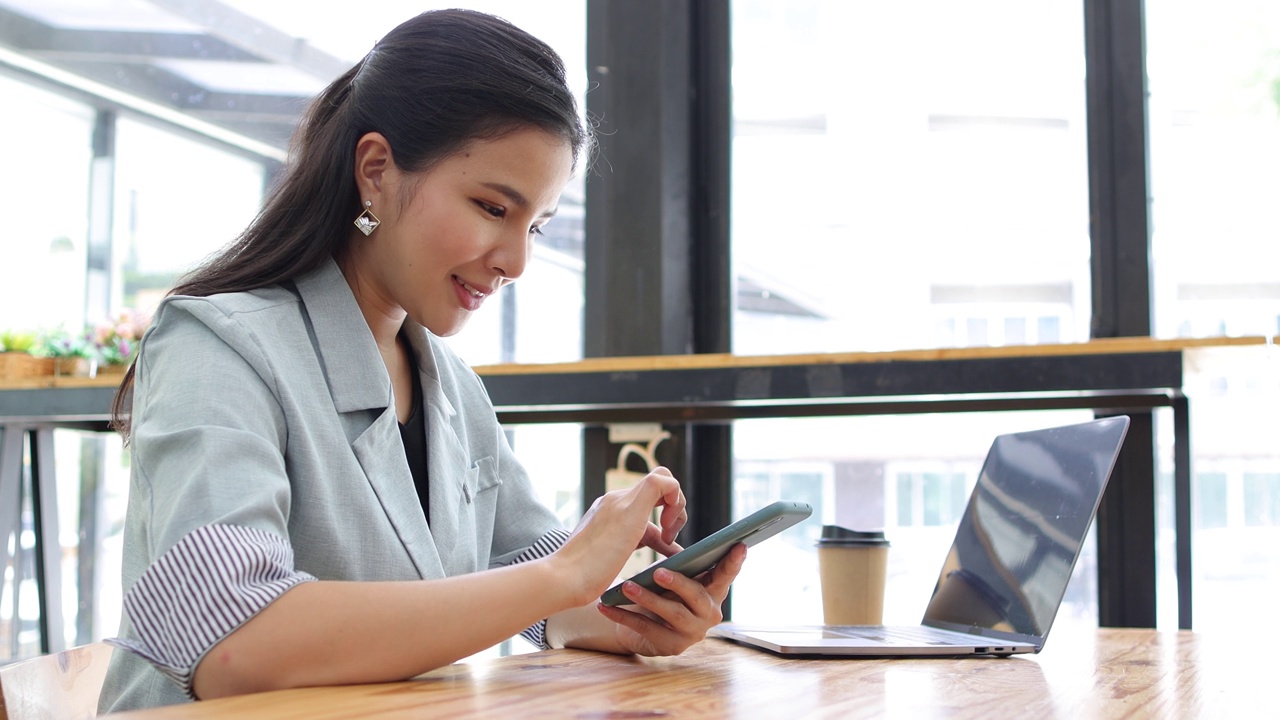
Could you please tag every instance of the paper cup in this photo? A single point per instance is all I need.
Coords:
(852, 566)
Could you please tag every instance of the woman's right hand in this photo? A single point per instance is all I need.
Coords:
(615, 525)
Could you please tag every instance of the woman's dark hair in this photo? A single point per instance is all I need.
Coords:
(433, 85)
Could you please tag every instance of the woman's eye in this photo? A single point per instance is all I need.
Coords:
(535, 230)
(493, 210)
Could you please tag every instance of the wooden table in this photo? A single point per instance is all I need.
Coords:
(1112, 673)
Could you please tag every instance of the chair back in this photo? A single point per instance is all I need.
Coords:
(62, 685)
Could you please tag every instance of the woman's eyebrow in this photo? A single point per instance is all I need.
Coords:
(515, 197)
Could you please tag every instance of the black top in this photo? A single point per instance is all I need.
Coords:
(414, 436)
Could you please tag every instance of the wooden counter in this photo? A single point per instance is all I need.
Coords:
(1109, 673)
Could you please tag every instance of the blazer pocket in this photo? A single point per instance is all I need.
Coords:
(481, 477)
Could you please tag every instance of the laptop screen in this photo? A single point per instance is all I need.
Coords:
(1023, 529)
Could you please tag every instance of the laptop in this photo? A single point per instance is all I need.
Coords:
(1003, 580)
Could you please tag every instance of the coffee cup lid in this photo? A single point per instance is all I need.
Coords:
(836, 535)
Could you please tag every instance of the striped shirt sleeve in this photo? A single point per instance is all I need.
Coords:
(544, 546)
(210, 583)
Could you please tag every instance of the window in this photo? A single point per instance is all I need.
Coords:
(899, 183)
(1262, 499)
(1211, 500)
(43, 243)
(1214, 138)
(780, 581)
(931, 498)
(1001, 313)
(884, 150)
(177, 201)
(759, 484)
(1214, 120)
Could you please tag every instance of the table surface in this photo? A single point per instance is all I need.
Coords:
(1108, 673)
(1103, 346)
(1099, 346)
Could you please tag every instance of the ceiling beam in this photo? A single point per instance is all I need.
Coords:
(138, 46)
(268, 118)
(253, 36)
(132, 64)
(105, 96)
(21, 32)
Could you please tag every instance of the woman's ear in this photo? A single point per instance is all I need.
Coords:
(373, 162)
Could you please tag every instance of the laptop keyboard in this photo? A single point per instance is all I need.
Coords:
(894, 634)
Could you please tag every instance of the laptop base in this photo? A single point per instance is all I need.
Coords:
(867, 641)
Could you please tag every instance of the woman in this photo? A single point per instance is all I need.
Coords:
(320, 492)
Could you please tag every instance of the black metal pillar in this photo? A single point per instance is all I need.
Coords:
(44, 503)
(710, 447)
(1121, 268)
(1182, 507)
(658, 278)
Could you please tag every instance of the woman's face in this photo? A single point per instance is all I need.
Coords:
(451, 236)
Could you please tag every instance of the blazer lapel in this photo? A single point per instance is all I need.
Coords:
(381, 455)
(361, 389)
(448, 465)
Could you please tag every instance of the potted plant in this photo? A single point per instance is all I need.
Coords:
(116, 341)
(16, 360)
(72, 354)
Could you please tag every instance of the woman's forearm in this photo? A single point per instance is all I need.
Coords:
(333, 633)
(585, 628)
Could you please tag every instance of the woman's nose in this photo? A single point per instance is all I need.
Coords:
(511, 256)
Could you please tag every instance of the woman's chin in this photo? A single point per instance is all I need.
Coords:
(448, 327)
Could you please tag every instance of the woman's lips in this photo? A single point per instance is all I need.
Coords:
(470, 296)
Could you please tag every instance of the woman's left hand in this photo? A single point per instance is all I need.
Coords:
(668, 623)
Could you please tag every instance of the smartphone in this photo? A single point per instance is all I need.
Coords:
(704, 554)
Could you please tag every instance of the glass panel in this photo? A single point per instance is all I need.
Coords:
(1015, 331)
(976, 332)
(906, 500)
(1235, 417)
(1214, 123)
(1211, 500)
(1262, 499)
(890, 191)
(1214, 119)
(549, 453)
(931, 492)
(45, 209)
(177, 201)
(1048, 329)
(883, 162)
(43, 198)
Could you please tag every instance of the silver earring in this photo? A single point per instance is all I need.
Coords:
(366, 221)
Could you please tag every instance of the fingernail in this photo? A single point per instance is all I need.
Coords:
(662, 575)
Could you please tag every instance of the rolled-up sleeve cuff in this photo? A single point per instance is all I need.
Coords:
(545, 545)
(210, 583)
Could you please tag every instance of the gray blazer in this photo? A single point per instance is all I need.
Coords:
(272, 409)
